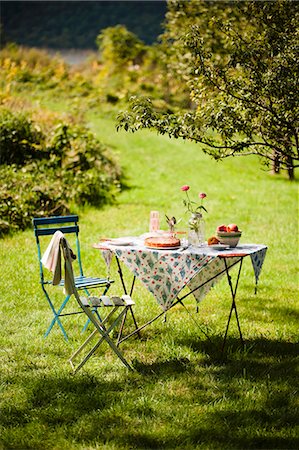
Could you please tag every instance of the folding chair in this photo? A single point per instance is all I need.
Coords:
(101, 331)
(45, 227)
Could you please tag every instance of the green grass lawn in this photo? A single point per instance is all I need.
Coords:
(184, 394)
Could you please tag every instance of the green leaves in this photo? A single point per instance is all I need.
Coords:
(240, 63)
(72, 167)
(118, 46)
(20, 139)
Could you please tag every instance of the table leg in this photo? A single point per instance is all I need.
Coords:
(233, 305)
(120, 272)
(130, 307)
(141, 327)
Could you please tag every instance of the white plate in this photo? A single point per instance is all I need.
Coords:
(163, 248)
(120, 241)
(219, 246)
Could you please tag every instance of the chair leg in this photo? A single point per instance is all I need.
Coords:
(91, 352)
(119, 338)
(56, 315)
(95, 310)
(102, 322)
(104, 336)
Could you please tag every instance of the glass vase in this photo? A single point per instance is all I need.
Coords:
(196, 234)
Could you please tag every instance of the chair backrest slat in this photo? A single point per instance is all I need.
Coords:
(47, 226)
(55, 219)
(49, 231)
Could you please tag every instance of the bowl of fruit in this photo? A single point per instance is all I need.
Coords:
(228, 234)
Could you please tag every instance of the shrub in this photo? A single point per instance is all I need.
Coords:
(72, 167)
(25, 65)
(33, 57)
(76, 154)
(20, 138)
(25, 193)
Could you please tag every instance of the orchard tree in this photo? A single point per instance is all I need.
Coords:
(240, 64)
(181, 16)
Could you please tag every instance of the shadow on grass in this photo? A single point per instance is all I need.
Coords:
(163, 368)
(130, 412)
(257, 346)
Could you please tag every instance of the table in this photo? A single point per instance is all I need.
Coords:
(165, 273)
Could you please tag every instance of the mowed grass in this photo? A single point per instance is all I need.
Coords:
(183, 394)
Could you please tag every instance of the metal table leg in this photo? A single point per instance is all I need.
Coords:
(119, 338)
(233, 305)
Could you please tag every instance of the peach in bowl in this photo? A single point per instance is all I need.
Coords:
(228, 235)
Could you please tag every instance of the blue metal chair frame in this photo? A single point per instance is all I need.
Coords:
(47, 226)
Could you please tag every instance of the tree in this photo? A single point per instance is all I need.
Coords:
(121, 51)
(120, 47)
(181, 16)
(241, 68)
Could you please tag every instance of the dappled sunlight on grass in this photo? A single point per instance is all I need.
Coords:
(184, 393)
(167, 400)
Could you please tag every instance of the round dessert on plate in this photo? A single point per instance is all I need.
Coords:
(164, 242)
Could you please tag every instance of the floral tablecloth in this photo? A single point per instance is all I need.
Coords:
(166, 272)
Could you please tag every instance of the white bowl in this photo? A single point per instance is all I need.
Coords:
(230, 238)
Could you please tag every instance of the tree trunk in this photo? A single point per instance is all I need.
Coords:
(290, 167)
(276, 163)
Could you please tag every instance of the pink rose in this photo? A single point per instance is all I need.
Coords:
(202, 195)
(185, 187)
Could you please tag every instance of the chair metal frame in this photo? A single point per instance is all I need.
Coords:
(101, 330)
(47, 226)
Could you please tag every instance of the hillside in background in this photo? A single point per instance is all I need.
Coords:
(76, 24)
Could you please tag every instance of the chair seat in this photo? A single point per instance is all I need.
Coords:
(106, 301)
(82, 282)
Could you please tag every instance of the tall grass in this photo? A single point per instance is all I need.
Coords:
(184, 393)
